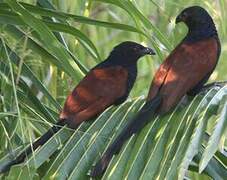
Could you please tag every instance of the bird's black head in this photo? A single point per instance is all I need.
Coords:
(198, 20)
(129, 52)
(194, 16)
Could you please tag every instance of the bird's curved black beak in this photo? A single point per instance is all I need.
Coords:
(181, 18)
(148, 50)
(178, 19)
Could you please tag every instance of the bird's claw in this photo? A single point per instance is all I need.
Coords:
(207, 87)
(220, 84)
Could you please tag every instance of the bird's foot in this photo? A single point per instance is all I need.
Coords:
(216, 84)
(208, 87)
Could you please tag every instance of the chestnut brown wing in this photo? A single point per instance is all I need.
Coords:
(98, 90)
(183, 70)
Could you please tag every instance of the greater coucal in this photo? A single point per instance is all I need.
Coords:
(185, 71)
(108, 83)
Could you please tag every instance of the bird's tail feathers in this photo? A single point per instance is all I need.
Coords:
(147, 113)
(39, 142)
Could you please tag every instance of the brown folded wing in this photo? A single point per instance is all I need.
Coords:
(97, 91)
(185, 67)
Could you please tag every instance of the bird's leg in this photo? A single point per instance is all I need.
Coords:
(202, 89)
(209, 86)
(216, 84)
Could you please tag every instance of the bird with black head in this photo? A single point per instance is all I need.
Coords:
(184, 72)
(108, 83)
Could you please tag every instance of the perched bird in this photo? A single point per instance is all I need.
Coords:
(185, 71)
(108, 83)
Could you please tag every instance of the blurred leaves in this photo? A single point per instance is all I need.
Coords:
(46, 48)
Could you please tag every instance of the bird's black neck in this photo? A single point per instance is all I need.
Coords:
(200, 32)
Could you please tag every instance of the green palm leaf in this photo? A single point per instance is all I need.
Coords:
(37, 47)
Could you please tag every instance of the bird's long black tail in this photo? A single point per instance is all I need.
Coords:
(143, 117)
(39, 142)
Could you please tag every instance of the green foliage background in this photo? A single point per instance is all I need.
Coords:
(45, 53)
